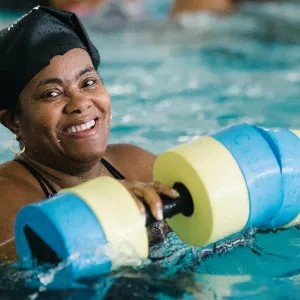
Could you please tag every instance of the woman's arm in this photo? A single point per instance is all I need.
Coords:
(8, 252)
(136, 164)
(14, 195)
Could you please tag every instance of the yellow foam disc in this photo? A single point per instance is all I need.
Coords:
(118, 215)
(295, 131)
(217, 186)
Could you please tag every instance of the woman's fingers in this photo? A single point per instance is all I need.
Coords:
(150, 193)
(141, 207)
(152, 199)
(165, 189)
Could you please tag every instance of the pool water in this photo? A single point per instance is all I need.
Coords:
(170, 83)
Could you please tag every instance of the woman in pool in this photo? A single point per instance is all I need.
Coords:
(55, 103)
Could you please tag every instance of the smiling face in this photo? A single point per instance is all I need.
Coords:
(65, 111)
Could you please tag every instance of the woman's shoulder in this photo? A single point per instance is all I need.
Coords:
(16, 192)
(134, 162)
(15, 184)
(11, 171)
(129, 150)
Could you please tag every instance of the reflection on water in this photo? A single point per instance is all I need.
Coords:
(170, 84)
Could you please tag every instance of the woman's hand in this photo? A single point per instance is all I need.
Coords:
(149, 192)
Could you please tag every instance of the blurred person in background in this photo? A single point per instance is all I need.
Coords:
(84, 7)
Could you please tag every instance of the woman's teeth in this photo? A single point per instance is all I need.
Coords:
(82, 127)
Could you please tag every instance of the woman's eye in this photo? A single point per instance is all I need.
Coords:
(50, 94)
(53, 94)
(89, 82)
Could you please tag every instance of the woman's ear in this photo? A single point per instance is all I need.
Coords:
(10, 121)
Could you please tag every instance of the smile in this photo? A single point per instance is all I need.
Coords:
(82, 127)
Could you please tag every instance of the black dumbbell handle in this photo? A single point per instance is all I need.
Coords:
(171, 207)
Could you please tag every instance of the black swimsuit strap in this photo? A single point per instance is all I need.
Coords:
(44, 183)
(112, 169)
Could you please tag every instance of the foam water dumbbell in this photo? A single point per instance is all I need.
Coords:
(239, 177)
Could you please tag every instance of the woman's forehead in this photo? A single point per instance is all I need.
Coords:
(67, 65)
(72, 60)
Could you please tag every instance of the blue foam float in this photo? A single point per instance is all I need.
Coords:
(260, 168)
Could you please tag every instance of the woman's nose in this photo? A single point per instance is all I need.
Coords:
(78, 103)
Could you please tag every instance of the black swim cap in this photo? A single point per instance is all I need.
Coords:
(28, 45)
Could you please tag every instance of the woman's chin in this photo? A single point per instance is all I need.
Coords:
(84, 150)
(88, 156)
